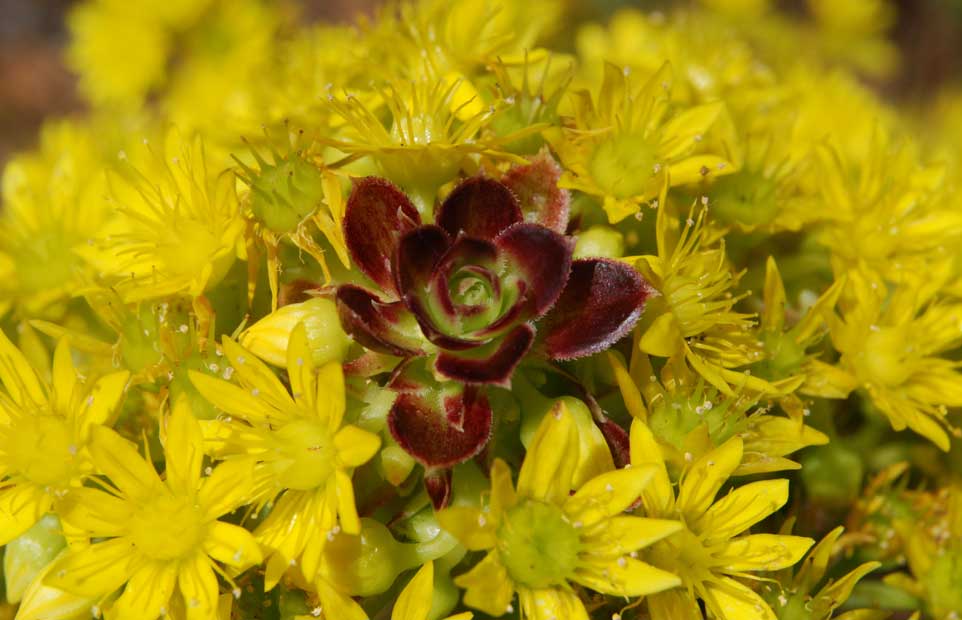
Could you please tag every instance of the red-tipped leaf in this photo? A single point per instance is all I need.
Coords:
(536, 187)
(376, 216)
(478, 207)
(493, 363)
(540, 257)
(383, 326)
(600, 304)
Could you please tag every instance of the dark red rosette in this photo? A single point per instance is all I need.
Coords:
(470, 295)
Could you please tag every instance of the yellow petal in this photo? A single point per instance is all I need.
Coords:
(549, 604)
(697, 168)
(624, 576)
(686, 129)
(475, 529)
(42, 602)
(837, 592)
(64, 376)
(629, 391)
(338, 605)
(355, 446)
(773, 314)
(228, 486)
(622, 535)
(300, 367)
(414, 602)
(702, 481)
(198, 585)
(551, 459)
(487, 586)
(101, 405)
(21, 506)
(119, 460)
(609, 494)
(96, 570)
(742, 508)
(232, 545)
(17, 375)
(812, 571)
(766, 552)
(730, 600)
(147, 593)
(658, 496)
(256, 375)
(330, 395)
(346, 510)
(673, 605)
(96, 513)
(183, 448)
(663, 337)
(233, 400)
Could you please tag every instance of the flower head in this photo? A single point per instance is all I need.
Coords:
(45, 431)
(891, 345)
(157, 537)
(540, 538)
(301, 453)
(180, 227)
(626, 144)
(712, 549)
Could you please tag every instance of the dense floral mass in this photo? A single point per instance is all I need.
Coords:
(483, 309)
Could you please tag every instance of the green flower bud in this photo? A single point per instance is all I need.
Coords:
(832, 474)
(268, 337)
(26, 556)
(284, 191)
(599, 240)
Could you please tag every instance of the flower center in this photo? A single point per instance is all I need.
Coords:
(304, 455)
(167, 527)
(881, 359)
(43, 449)
(538, 546)
(623, 165)
(686, 554)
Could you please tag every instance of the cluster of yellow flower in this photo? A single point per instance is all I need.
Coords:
(298, 320)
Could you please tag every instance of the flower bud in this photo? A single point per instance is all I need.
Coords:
(27, 555)
(600, 241)
(832, 474)
(268, 337)
(594, 457)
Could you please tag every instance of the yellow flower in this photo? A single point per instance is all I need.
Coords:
(302, 452)
(120, 54)
(805, 593)
(889, 219)
(626, 143)
(785, 350)
(695, 317)
(712, 548)
(890, 344)
(180, 227)
(52, 204)
(157, 537)
(45, 428)
(435, 129)
(540, 538)
(689, 418)
(284, 202)
(712, 59)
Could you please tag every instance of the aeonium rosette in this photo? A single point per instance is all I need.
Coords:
(464, 299)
